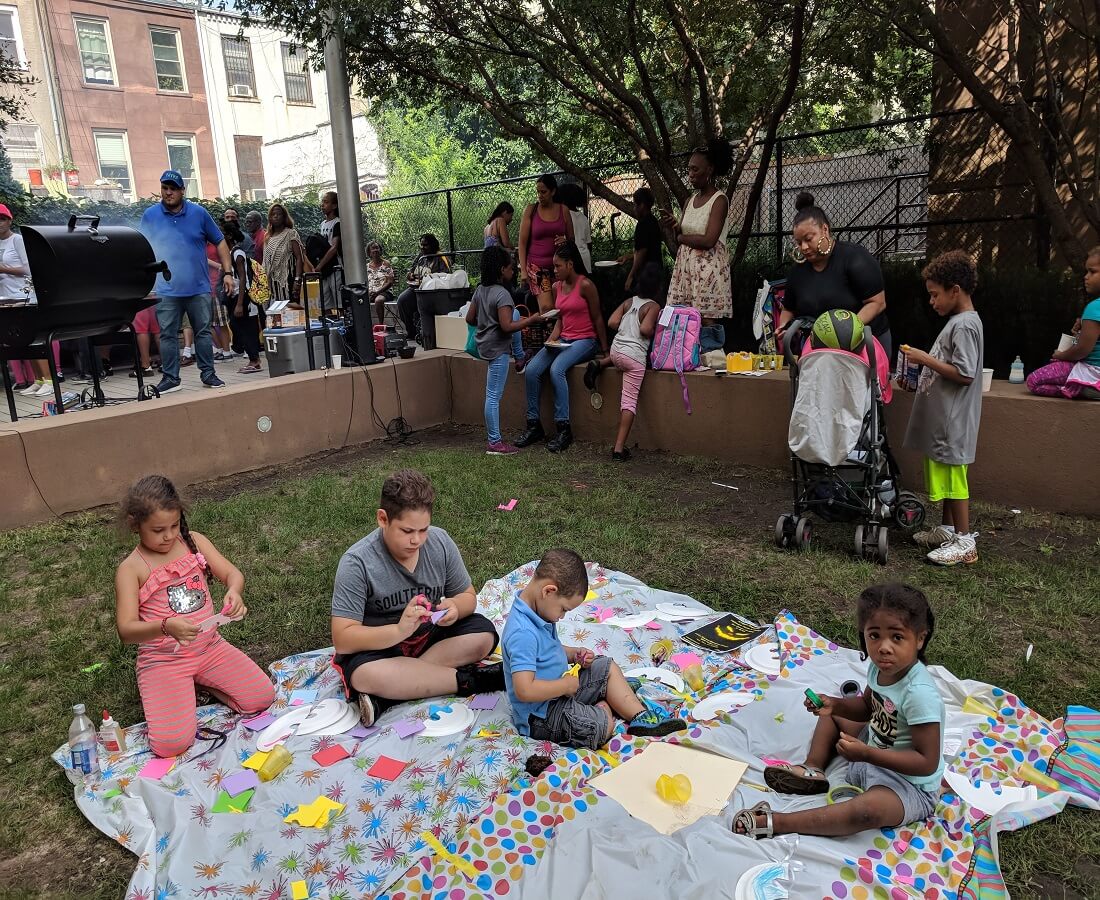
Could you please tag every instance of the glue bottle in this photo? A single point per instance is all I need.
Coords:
(82, 747)
(111, 735)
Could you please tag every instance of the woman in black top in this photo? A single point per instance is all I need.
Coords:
(832, 274)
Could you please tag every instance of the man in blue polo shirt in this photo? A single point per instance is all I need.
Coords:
(179, 231)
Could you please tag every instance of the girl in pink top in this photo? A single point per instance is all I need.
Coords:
(162, 596)
(578, 333)
(544, 226)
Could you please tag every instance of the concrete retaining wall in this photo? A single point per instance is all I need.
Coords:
(1032, 452)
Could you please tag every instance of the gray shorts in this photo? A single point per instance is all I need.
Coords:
(576, 721)
(918, 803)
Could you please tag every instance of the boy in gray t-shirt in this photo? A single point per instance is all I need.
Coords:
(403, 620)
(948, 407)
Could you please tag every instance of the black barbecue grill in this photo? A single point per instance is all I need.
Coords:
(90, 282)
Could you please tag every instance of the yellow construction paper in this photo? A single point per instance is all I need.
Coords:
(256, 760)
(608, 758)
(633, 784)
(299, 890)
(574, 670)
(459, 862)
(590, 596)
(315, 814)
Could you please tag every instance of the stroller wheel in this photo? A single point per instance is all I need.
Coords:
(909, 512)
(784, 531)
(882, 550)
(803, 532)
(861, 547)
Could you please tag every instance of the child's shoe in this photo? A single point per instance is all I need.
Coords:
(963, 548)
(933, 537)
(649, 724)
(591, 373)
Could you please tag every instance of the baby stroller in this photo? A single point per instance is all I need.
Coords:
(843, 468)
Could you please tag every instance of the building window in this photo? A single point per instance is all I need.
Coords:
(24, 148)
(11, 38)
(299, 87)
(113, 156)
(183, 158)
(250, 166)
(168, 59)
(238, 66)
(93, 37)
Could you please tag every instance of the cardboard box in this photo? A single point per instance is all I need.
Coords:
(450, 332)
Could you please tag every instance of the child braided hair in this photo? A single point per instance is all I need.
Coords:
(907, 601)
(152, 494)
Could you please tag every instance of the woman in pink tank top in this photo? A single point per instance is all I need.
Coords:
(578, 334)
(163, 599)
(544, 226)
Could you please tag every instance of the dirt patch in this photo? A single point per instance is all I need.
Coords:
(67, 866)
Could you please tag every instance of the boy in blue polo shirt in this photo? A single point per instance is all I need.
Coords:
(548, 703)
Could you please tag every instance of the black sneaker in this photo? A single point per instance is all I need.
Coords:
(532, 435)
(475, 679)
(620, 457)
(213, 382)
(649, 724)
(591, 373)
(168, 385)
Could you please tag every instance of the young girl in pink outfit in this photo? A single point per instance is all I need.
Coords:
(162, 594)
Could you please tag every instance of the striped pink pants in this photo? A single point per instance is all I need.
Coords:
(166, 682)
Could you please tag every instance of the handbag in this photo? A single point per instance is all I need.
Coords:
(471, 337)
(534, 335)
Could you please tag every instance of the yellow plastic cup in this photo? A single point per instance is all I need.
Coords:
(277, 760)
(674, 788)
(693, 675)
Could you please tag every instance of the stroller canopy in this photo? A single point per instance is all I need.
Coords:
(832, 400)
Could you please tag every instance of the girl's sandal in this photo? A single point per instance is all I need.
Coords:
(747, 819)
(783, 779)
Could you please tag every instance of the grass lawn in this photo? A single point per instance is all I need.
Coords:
(658, 518)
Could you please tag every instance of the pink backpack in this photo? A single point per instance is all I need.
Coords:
(676, 344)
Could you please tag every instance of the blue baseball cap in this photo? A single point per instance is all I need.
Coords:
(171, 176)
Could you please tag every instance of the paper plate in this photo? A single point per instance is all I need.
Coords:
(596, 399)
(606, 263)
(458, 719)
(279, 730)
(709, 708)
(347, 721)
(324, 715)
(635, 621)
(666, 676)
(746, 890)
(551, 313)
(674, 612)
(764, 658)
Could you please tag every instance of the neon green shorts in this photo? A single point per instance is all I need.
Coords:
(945, 482)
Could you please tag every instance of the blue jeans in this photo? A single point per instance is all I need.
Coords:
(170, 312)
(495, 380)
(559, 362)
(517, 339)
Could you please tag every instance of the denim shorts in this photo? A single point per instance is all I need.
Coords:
(918, 803)
(577, 721)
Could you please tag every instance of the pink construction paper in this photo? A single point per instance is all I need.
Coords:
(484, 701)
(408, 727)
(509, 506)
(260, 722)
(438, 614)
(653, 626)
(239, 782)
(601, 613)
(683, 660)
(156, 769)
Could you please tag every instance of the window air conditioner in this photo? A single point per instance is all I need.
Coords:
(240, 90)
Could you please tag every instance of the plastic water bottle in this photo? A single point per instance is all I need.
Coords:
(82, 747)
(1016, 371)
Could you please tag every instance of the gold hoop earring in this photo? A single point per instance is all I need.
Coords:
(797, 255)
(820, 250)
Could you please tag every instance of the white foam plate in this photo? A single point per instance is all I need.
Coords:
(707, 709)
(551, 313)
(458, 719)
(347, 721)
(764, 658)
(324, 714)
(651, 673)
(745, 889)
(282, 728)
(635, 621)
(606, 263)
(674, 612)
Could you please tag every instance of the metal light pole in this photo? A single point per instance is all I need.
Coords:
(343, 154)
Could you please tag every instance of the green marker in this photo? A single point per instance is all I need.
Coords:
(815, 700)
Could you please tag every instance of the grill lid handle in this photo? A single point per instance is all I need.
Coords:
(161, 267)
(93, 227)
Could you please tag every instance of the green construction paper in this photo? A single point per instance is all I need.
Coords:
(227, 804)
(113, 792)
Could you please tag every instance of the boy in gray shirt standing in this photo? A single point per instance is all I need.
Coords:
(948, 407)
(389, 588)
